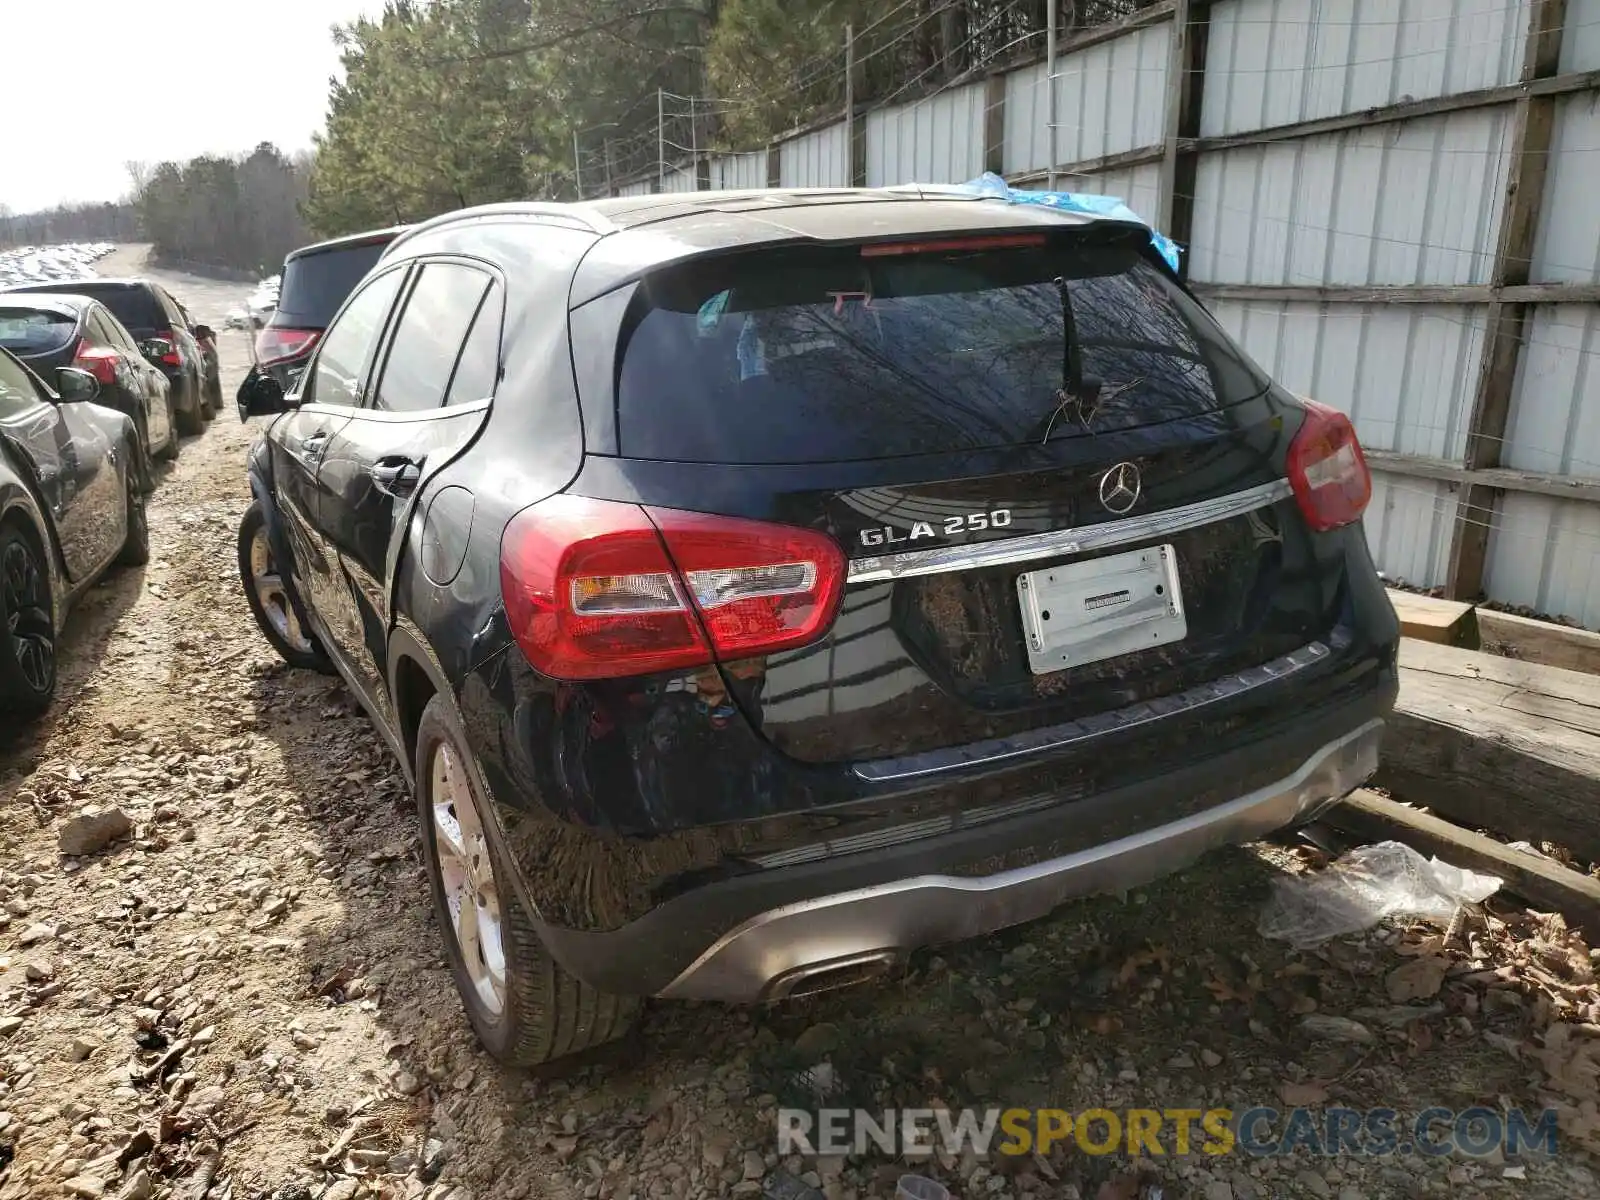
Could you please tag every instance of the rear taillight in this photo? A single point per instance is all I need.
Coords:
(277, 345)
(172, 358)
(597, 589)
(99, 361)
(1327, 469)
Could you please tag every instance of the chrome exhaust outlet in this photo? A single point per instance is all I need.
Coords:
(830, 975)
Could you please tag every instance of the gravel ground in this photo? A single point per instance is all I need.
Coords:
(242, 994)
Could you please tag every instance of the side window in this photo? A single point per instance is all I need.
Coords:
(479, 368)
(118, 334)
(100, 330)
(17, 393)
(170, 307)
(336, 375)
(428, 339)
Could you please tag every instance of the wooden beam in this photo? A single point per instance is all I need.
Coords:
(1186, 71)
(1506, 479)
(1497, 744)
(1406, 293)
(1532, 131)
(994, 125)
(1138, 157)
(1410, 110)
(1542, 642)
(1542, 882)
(1446, 622)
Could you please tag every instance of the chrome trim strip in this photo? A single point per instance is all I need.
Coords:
(937, 559)
(924, 910)
(1053, 737)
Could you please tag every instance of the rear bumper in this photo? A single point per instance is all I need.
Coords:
(789, 928)
(802, 945)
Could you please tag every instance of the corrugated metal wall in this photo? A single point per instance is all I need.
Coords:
(819, 159)
(1275, 62)
(739, 170)
(1411, 203)
(1109, 98)
(937, 140)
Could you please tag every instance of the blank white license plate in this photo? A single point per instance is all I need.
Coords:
(1089, 611)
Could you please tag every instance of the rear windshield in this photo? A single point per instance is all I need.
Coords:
(315, 285)
(835, 355)
(25, 331)
(135, 307)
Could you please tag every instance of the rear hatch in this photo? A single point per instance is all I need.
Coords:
(1059, 485)
(41, 337)
(315, 284)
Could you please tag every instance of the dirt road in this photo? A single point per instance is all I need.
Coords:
(247, 997)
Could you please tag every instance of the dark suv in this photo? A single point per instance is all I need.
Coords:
(759, 586)
(150, 313)
(315, 282)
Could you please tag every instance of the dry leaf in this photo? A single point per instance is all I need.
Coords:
(1419, 979)
(1124, 1187)
(1300, 1095)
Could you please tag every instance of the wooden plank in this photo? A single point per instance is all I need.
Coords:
(1545, 885)
(1447, 622)
(994, 125)
(1186, 71)
(1533, 129)
(1462, 742)
(1556, 683)
(1402, 293)
(1509, 479)
(1409, 110)
(1541, 642)
(1137, 157)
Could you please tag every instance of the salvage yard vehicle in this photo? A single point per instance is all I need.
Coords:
(316, 280)
(759, 586)
(47, 332)
(70, 506)
(149, 312)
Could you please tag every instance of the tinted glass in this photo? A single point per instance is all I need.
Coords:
(135, 307)
(348, 345)
(17, 392)
(315, 285)
(479, 368)
(30, 331)
(119, 335)
(833, 356)
(428, 339)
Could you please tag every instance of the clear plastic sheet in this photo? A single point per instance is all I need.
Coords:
(1363, 887)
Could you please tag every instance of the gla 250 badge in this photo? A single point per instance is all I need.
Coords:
(888, 535)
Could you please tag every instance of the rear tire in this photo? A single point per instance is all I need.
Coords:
(191, 420)
(267, 593)
(169, 452)
(27, 626)
(524, 1006)
(136, 547)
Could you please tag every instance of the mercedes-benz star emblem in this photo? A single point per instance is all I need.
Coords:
(1119, 488)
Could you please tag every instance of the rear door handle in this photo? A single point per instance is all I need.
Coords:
(396, 476)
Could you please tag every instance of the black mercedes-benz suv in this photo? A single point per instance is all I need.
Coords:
(757, 586)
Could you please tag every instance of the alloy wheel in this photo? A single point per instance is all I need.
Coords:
(273, 595)
(471, 894)
(27, 608)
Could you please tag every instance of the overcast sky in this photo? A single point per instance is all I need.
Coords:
(109, 81)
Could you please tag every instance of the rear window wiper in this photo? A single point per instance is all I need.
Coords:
(1080, 396)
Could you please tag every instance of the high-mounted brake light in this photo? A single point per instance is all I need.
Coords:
(279, 345)
(1002, 241)
(599, 589)
(1327, 469)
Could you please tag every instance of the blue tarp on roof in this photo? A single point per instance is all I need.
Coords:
(990, 184)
